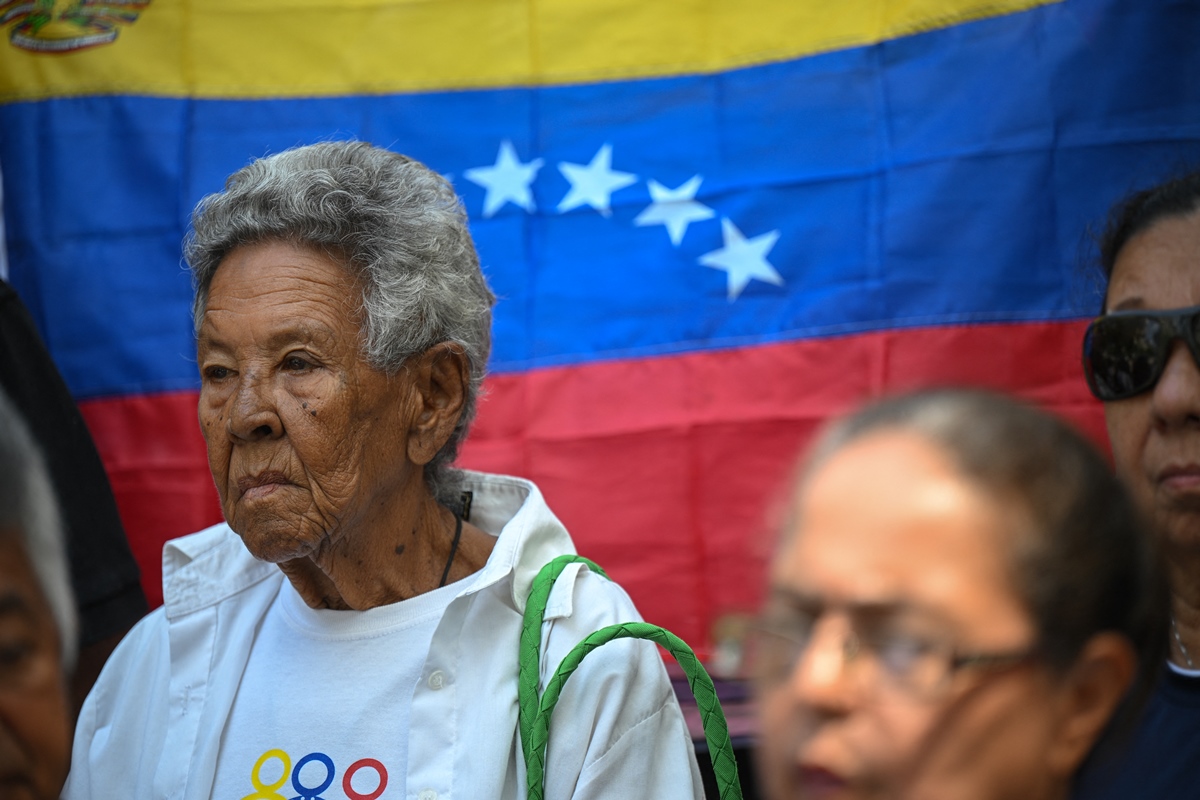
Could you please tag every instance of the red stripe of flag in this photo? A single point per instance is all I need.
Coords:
(682, 454)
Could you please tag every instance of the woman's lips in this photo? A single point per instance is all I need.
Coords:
(1183, 479)
(264, 483)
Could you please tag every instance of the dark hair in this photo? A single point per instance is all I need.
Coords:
(1138, 211)
(1088, 563)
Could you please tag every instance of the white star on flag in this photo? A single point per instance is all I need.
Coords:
(743, 259)
(594, 184)
(506, 181)
(674, 208)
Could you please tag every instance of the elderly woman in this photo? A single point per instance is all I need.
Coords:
(352, 630)
(961, 598)
(1142, 359)
(37, 621)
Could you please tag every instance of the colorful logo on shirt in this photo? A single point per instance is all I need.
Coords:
(270, 791)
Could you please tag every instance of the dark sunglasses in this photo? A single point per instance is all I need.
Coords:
(1125, 352)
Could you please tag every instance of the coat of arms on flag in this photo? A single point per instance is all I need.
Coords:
(60, 26)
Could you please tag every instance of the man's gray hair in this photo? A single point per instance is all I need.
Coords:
(29, 510)
(397, 224)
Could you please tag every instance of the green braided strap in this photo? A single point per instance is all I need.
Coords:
(530, 651)
(716, 731)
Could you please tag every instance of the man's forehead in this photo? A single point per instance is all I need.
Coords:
(784, 599)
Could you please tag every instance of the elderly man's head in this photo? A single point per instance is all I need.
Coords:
(37, 620)
(396, 225)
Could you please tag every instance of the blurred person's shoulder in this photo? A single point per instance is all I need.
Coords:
(1160, 758)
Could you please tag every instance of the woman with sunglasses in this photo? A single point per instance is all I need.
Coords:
(961, 599)
(1141, 358)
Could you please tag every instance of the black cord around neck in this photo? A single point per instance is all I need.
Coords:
(453, 548)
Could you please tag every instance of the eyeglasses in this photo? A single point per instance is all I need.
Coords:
(1125, 352)
(882, 656)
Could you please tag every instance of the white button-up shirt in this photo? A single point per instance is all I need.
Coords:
(152, 725)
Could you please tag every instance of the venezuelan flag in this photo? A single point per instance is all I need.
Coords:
(711, 225)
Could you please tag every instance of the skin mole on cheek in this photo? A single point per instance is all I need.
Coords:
(314, 413)
(399, 549)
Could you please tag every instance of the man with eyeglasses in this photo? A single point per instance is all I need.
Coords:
(1140, 358)
(961, 598)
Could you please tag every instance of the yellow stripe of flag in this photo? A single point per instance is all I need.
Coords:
(307, 48)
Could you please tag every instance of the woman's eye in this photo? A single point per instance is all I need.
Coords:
(296, 363)
(215, 373)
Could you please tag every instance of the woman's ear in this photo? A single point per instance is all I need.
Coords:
(1092, 690)
(439, 381)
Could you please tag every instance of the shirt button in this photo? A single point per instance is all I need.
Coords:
(437, 679)
(427, 794)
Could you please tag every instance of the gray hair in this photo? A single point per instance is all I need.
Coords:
(394, 221)
(28, 508)
(1085, 561)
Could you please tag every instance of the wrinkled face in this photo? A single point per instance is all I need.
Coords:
(306, 441)
(892, 542)
(1156, 435)
(34, 729)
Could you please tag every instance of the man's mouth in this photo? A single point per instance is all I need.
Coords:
(819, 783)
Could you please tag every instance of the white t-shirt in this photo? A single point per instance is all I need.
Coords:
(153, 725)
(323, 707)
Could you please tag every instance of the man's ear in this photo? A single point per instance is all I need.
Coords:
(439, 382)
(1092, 689)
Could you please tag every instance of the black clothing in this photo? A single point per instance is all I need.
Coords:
(108, 592)
(1161, 758)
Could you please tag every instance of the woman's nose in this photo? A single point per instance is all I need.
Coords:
(253, 415)
(1176, 397)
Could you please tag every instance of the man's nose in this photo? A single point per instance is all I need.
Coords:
(822, 678)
